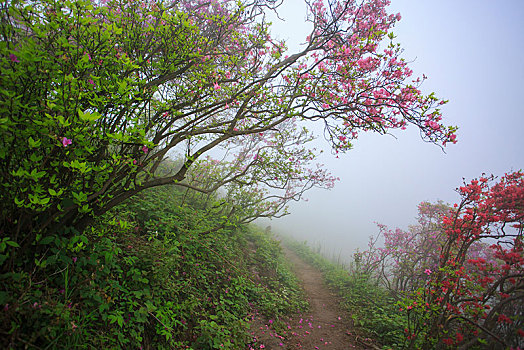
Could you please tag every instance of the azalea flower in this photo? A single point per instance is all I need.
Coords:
(13, 58)
(66, 142)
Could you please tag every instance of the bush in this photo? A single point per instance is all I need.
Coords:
(143, 277)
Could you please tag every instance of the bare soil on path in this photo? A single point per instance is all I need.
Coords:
(325, 326)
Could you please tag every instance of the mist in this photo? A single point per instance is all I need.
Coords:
(471, 52)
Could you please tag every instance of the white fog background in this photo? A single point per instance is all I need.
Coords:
(473, 54)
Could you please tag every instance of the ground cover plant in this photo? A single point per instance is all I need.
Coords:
(145, 277)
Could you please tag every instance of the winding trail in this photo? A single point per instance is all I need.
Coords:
(324, 326)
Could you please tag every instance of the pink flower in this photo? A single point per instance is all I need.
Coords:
(145, 149)
(434, 125)
(90, 81)
(216, 86)
(66, 142)
(262, 346)
(13, 58)
(427, 272)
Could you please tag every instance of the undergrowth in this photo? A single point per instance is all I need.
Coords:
(145, 277)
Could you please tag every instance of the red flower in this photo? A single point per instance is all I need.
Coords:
(503, 318)
(448, 341)
(460, 337)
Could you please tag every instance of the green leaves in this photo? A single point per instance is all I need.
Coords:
(37, 200)
(116, 316)
(79, 197)
(82, 167)
(88, 116)
(46, 240)
(5, 242)
(52, 192)
(33, 143)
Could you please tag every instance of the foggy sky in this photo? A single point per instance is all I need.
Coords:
(473, 53)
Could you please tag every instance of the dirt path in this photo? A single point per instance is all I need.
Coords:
(324, 326)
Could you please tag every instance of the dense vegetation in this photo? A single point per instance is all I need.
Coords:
(144, 276)
(103, 103)
(453, 280)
